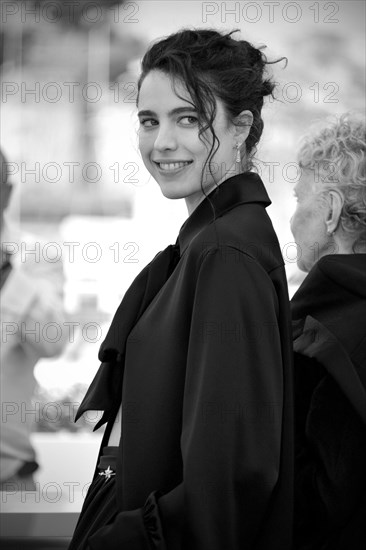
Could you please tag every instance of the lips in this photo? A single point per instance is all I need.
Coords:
(170, 166)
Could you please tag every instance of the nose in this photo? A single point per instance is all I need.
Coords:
(292, 224)
(166, 138)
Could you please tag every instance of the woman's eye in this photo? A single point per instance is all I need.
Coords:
(188, 120)
(148, 122)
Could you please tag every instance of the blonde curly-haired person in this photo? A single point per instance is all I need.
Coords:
(329, 312)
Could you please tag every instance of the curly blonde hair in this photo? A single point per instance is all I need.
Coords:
(336, 153)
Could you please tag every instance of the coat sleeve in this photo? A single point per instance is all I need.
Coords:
(232, 413)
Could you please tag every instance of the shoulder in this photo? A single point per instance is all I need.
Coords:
(245, 234)
(226, 278)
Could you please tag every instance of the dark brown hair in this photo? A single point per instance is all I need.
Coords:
(211, 64)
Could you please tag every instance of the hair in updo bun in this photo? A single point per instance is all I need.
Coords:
(214, 65)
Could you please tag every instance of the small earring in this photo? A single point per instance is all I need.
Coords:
(238, 157)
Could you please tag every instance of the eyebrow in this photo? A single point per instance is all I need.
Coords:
(175, 111)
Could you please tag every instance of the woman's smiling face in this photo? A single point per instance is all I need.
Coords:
(169, 141)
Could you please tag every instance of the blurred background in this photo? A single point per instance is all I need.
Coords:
(69, 129)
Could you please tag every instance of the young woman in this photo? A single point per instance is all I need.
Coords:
(198, 356)
(329, 226)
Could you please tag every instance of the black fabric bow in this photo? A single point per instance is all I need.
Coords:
(105, 391)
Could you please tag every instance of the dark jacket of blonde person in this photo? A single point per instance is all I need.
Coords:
(329, 312)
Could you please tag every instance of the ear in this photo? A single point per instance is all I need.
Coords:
(335, 208)
(242, 125)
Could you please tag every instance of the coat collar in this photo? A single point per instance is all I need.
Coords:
(242, 188)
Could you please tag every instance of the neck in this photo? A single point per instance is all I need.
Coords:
(346, 246)
(192, 201)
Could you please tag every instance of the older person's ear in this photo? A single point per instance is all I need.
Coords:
(335, 210)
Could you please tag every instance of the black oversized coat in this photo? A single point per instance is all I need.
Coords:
(329, 312)
(205, 374)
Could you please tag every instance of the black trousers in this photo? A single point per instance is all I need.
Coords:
(100, 506)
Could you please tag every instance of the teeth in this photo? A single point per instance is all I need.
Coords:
(172, 165)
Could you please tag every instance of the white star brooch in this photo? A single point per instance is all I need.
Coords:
(108, 473)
